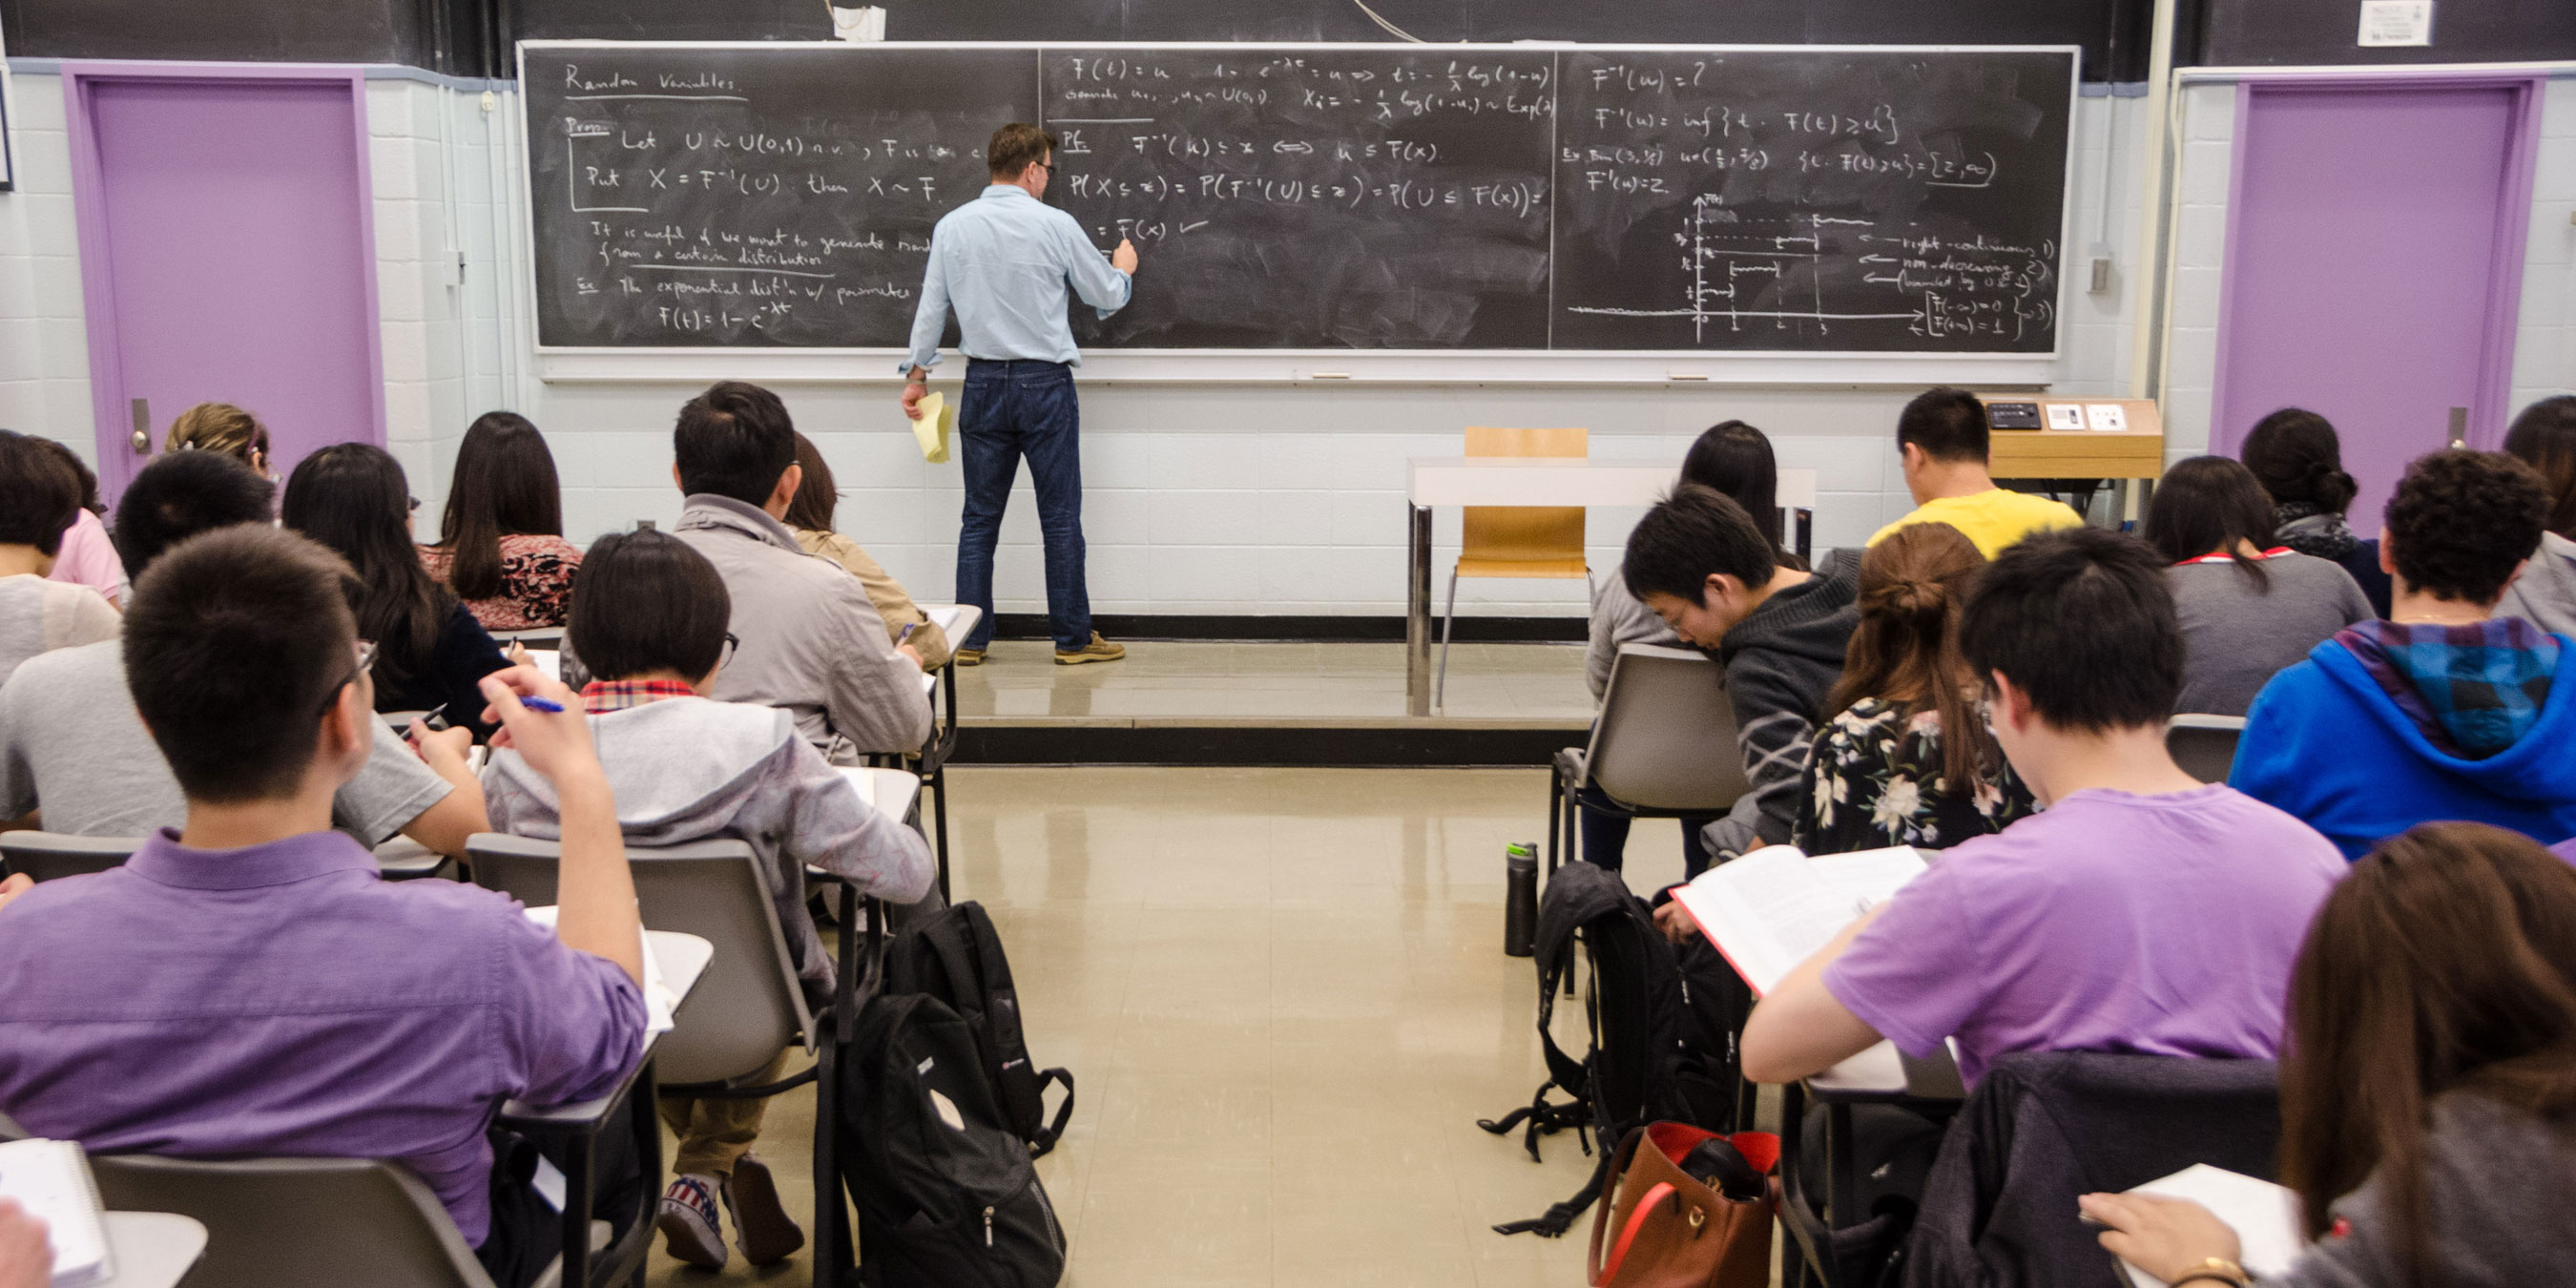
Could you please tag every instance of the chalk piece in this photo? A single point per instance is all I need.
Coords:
(2065, 416)
(2110, 418)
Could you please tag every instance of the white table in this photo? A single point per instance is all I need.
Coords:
(891, 791)
(1432, 481)
(153, 1249)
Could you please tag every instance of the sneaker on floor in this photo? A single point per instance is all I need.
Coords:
(1098, 650)
(767, 1235)
(967, 657)
(688, 1223)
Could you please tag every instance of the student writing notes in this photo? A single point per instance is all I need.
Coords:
(2138, 911)
(2428, 1094)
(247, 984)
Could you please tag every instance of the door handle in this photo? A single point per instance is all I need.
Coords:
(142, 426)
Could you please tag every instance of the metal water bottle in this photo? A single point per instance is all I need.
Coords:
(1520, 898)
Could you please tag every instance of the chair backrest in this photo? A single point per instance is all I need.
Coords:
(47, 855)
(1666, 736)
(1524, 533)
(748, 1006)
(300, 1222)
(2205, 746)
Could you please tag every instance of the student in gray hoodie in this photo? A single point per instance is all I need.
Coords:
(2428, 1094)
(649, 617)
(2544, 438)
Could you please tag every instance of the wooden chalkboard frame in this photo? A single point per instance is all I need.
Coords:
(567, 364)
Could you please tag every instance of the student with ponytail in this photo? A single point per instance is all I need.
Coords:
(2296, 456)
(1906, 759)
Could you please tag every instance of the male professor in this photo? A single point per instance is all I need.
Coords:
(1004, 260)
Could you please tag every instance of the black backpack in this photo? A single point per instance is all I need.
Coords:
(957, 958)
(1663, 1025)
(945, 1191)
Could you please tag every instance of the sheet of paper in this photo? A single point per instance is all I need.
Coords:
(659, 998)
(2265, 1216)
(51, 1180)
(947, 615)
(1870, 877)
(938, 421)
(549, 661)
(863, 780)
(1768, 911)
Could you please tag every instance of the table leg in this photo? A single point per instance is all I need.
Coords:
(1417, 614)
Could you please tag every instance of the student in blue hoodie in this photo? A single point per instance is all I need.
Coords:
(2444, 710)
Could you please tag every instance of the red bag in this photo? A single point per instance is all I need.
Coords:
(1674, 1231)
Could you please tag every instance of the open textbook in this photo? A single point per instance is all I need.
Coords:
(1773, 908)
(2265, 1217)
(51, 1180)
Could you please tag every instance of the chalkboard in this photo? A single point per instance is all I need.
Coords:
(1359, 197)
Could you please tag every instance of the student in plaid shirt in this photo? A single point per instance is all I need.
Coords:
(2445, 710)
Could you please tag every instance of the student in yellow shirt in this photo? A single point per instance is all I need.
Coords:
(1942, 437)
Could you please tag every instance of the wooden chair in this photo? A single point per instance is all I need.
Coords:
(1516, 541)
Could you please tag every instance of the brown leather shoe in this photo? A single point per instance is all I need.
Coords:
(1098, 650)
(766, 1234)
(967, 657)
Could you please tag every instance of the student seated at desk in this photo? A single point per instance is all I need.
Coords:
(2139, 911)
(2544, 438)
(1703, 566)
(88, 555)
(501, 545)
(1943, 439)
(1729, 457)
(810, 515)
(1907, 758)
(648, 616)
(248, 985)
(2296, 456)
(2249, 606)
(2448, 711)
(72, 745)
(2428, 1097)
(38, 497)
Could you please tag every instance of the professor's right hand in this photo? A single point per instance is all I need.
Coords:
(556, 745)
(1124, 258)
(912, 396)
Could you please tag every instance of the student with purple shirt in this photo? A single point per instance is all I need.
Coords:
(248, 985)
(2139, 911)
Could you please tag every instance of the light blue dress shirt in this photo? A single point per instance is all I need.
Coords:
(1004, 261)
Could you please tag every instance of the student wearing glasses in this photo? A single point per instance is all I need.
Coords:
(648, 619)
(1004, 262)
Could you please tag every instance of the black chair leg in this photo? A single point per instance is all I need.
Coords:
(939, 812)
(1555, 819)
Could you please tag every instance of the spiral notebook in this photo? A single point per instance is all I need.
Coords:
(51, 1180)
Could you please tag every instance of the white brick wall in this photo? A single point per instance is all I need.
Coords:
(44, 348)
(2544, 360)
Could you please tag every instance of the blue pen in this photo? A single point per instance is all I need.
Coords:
(547, 705)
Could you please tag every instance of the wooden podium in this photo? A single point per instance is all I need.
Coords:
(2053, 436)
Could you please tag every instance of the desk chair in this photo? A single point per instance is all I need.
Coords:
(1515, 541)
(47, 855)
(306, 1222)
(2205, 746)
(1663, 746)
(749, 1005)
(1832, 1241)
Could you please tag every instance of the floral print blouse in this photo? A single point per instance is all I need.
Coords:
(536, 582)
(1875, 781)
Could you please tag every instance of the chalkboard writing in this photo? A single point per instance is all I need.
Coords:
(1351, 197)
(1810, 201)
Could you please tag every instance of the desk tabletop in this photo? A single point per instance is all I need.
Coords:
(153, 1249)
(1527, 480)
(890, 790)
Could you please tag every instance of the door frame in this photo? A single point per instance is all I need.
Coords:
(112, 422)
(2505, 266)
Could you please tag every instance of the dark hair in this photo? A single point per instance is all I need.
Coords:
(504, 486)
(80, 470)
(2297, 458)
(734, 440)
(2210, 505)
(352, 498)
(1906, 648)
(817, 496)
(39, 495)
(236, 642)
(1015, 147)
(182, 494)
(2544, 438)
(644, 602)
(2445, 960)
(2082, 621)
(1948, 424)
(1736, 459)
(1689, 536)
(2462, 521)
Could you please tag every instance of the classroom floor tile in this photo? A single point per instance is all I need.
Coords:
(1283, 995)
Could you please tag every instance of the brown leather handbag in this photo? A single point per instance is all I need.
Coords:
(1674, 1231)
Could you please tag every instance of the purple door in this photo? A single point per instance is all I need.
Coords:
(227, 254)
(2374, 264)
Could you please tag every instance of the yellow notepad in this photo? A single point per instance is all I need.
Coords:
(938, 421)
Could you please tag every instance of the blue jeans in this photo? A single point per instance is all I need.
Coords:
(1011, 410)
